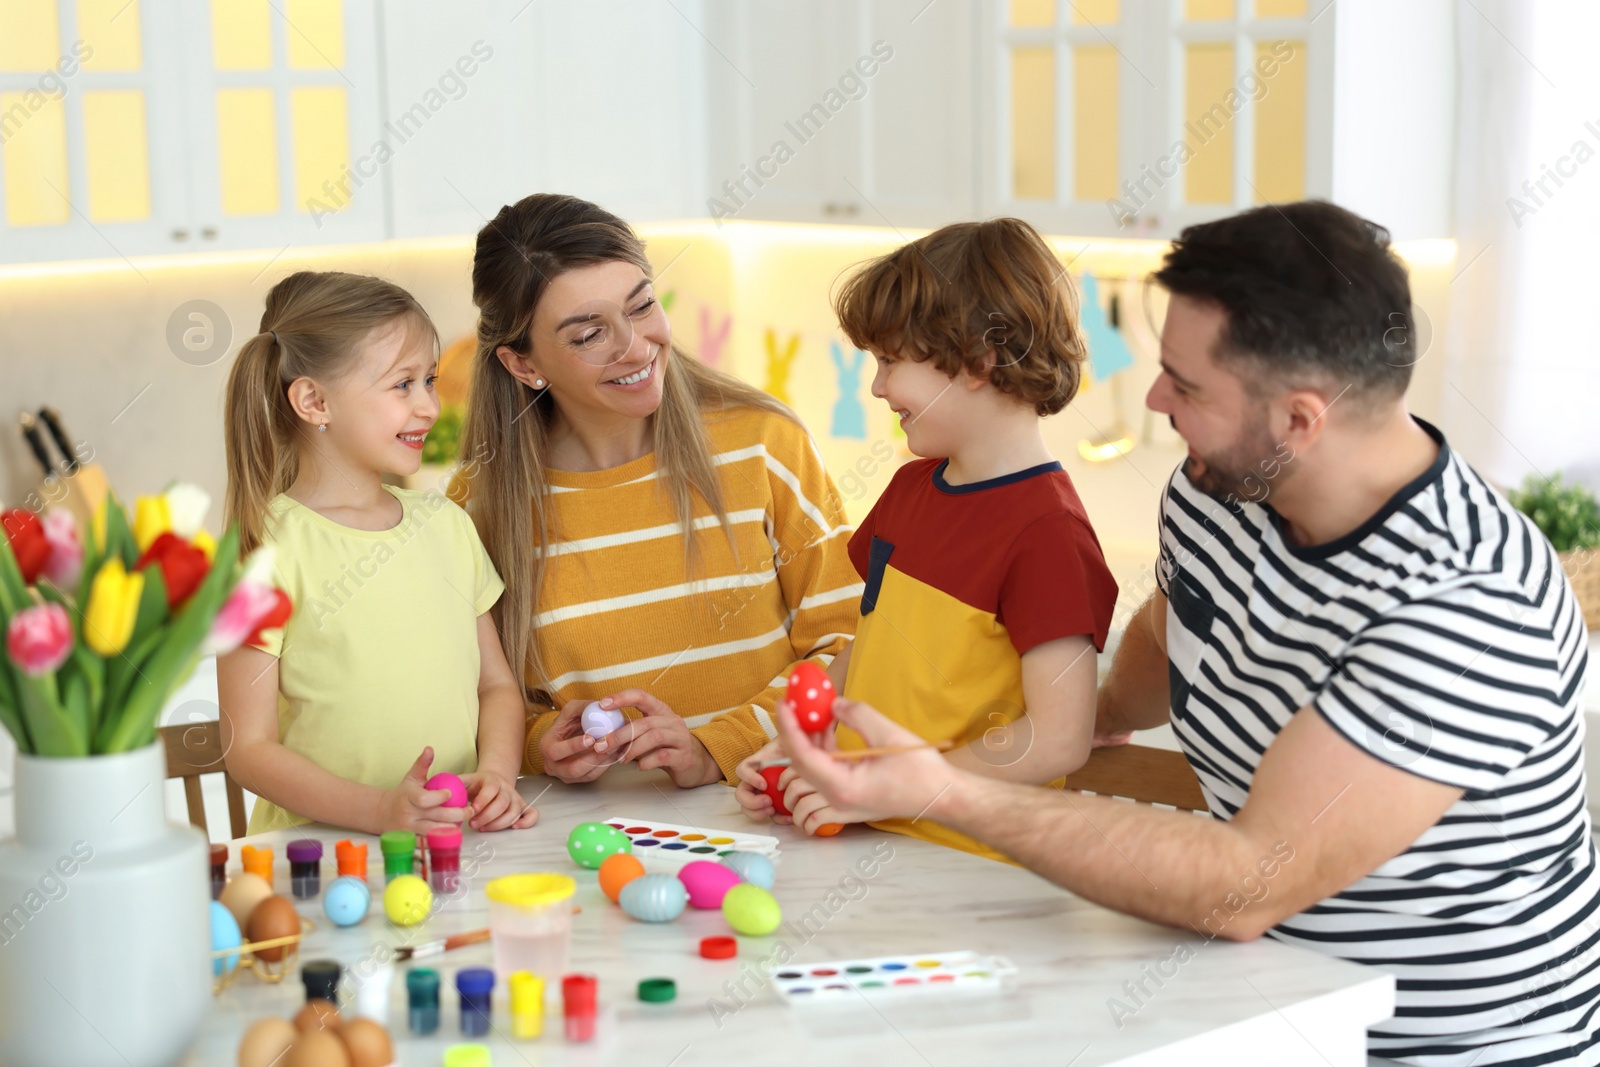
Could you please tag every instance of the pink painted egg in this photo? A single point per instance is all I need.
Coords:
(707, 882)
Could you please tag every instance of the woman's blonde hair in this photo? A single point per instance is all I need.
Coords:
(505, 444)
(312, 328)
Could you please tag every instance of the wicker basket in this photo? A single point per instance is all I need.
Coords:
(1583, 571)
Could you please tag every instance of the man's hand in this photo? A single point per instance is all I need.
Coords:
(878, 787)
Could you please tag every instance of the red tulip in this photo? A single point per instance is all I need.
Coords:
(25, 533)
(279, 614)
(183, 566)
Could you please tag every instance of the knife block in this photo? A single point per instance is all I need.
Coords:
(81, 493)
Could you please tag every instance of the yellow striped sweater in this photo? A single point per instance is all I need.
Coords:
(618, 610)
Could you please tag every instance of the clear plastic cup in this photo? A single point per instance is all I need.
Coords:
(530, 924)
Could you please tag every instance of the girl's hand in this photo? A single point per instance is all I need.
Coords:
(751, 791)
(570, 755)
(659, 739)
(409, 806)
(495, 803)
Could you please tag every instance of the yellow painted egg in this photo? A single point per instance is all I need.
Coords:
(406, 900)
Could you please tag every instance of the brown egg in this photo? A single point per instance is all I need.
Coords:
(242, 893)
(318, 1014)
(264, 1042)
(368, 1043)
(273, 917)
(319, 1048)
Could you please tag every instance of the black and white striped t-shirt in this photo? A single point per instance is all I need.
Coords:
(1443, 638)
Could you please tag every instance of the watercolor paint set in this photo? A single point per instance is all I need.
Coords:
(665, 847)
(936, 974)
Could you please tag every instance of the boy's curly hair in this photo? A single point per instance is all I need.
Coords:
(964, 291)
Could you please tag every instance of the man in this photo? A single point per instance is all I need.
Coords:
(1373, 663)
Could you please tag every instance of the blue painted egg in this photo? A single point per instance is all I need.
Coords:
(654, 898)
(753, 867)
(224, 934)
(346, 900)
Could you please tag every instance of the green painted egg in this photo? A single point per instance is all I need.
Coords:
(590, 843)
(751, 910)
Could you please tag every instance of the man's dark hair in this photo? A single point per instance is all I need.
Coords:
(1312, 292)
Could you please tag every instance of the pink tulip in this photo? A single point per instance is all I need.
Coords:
(39, 638)
(245, 607)
(65, 561)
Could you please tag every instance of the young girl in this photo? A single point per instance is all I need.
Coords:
(390, 668)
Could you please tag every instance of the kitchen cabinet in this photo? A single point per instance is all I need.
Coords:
(134, 128)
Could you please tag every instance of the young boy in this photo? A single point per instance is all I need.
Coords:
(987, 596)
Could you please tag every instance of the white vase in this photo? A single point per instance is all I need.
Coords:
(104, 929)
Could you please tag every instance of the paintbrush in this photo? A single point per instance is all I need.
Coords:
(867, 753)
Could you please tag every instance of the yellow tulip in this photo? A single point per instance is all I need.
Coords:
(203, 540)
(113, 606)
(151, 518)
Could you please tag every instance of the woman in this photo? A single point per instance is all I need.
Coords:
(669, 539)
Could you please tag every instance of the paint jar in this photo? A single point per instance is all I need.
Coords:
(257, 861)
(305, 867)
(422, 998)
(444, 860)
(579, 992)
(399, 853)
(219, 869)
(476, 986)
(527, 1005)
(351, 857)
(321, 979)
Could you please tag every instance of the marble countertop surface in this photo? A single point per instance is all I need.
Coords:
(1200, 1001)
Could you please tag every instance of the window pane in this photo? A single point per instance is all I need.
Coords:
(241, 35)
(1207, 10)
(35, 158)
(1033, 12)
(318, 117)
(1094, 12)
(1094, 123)
(1281, 122)
(30, 36)
(1033, 123)
(1280, 9)
(117, 155)
(316, 34)
(1208, 123)
(111, 29)
(247, 151)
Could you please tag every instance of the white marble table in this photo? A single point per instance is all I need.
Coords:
(1229, 1003)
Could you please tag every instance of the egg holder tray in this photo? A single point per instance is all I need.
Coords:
(663, 847)
(930, 974)
(247, 960)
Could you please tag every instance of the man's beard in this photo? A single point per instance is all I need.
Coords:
(1239, 473)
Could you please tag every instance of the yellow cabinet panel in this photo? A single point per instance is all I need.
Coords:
(1033, 123)
(1095, 12)
(1281, 123)
(111, 29)
(247, 151)
(117, 155)
(1032, 13)
(1208, 123)
(316, 34)
(241, 35)
(319, 117)
(30, 35)
(1207, 10)
(1094, 122)
(34, 153)
(1280, 9)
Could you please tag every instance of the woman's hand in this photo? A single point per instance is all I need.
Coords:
(658, 739)
(571, 755)
(751, 791)
(410, 806)
(495, 803)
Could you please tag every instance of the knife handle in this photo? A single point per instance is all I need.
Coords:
(30, 433)
(58, 433)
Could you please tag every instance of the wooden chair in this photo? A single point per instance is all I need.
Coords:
(194, 749)
(1140, 773)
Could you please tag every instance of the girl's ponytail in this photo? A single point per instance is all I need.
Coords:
(313, 326)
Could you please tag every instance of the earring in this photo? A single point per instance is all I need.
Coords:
(322, 428)
(538, 383)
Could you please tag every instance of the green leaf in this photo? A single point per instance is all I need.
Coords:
(75, 697)
(92, 558)
(119, 537)
(11, 708)
(124, 674)
(160, 674)
(53, 732)
(1568, 515)
(94, 672)
(13, 590)
(152, 603)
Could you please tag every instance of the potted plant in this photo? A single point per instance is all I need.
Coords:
(104, 941)
(1569, 517)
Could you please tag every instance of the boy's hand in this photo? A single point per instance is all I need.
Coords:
(751, 791)
(570, 755)
(495, 803)
(409, 806)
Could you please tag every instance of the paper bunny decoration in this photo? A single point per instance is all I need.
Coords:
(711, 343)
(1108, 352)
(779, 365)
(849, 417)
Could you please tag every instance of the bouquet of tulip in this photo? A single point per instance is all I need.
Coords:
(100, 630)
